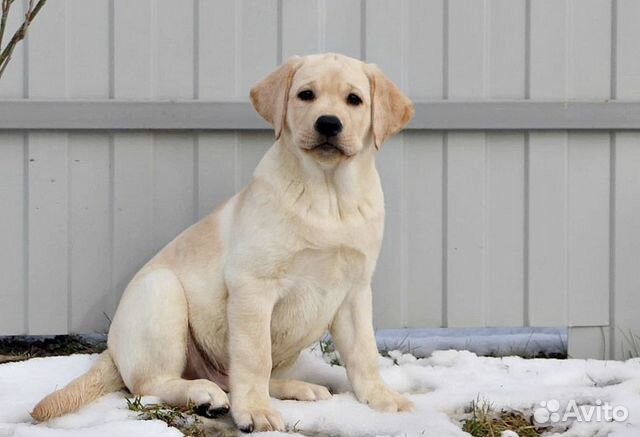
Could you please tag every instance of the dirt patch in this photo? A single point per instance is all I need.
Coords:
(22, 348)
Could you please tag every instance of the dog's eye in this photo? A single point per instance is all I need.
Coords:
(306, 95)
(354, 100)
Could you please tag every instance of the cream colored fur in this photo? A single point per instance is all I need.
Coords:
(270, 271)
(101, 379)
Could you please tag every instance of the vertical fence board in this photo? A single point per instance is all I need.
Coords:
(216, 170)
(216, 151)
(173, 208)
(506, 50)
(301, 31)
(133, 176)
(259, 57)
(548, 151)
(628, 50)
(627, 243)
(132, 153)
(132, 41)
(466, 49)
(47, 54)
(589, 49)
(389, 292)
(385, 47)
(425, 49)
(504, 227)
(88, 50)
(588, 229)
(320, 26)
(548, 45)
(589, 342)
(12, 232)
(343, 27)
(259, 42)
(423, 186)
(385, 44)
(173, 35)
(217, 49)
(48, 233)
(465, 228)
(465, 168)
(90, 220)
(504, 230)
(89, 171)
(48, 185)
(547, 231)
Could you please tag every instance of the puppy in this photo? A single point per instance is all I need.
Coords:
(231, 302)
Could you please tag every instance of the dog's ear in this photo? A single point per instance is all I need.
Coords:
(269, 96)
(391, 110)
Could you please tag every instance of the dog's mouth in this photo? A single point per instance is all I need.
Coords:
(326, 148)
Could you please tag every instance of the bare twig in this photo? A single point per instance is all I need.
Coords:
(21, 32)
(6, 5)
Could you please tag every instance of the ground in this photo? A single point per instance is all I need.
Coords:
(451, 390)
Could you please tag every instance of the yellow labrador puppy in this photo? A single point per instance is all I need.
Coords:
(244, 290)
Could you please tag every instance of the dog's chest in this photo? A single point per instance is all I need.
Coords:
(312, 289)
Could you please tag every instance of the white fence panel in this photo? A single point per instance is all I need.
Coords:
(484, 228)
(504, 230)
(90, 231)
(48, 233)
(384, 46)
(423, 191)
(546, 231)
(174, 197)
(132, 213)
(625, 206)
(12, 233)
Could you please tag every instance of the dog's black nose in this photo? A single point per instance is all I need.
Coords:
(328, 125)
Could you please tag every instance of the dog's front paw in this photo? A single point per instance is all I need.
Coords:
(382, 398)
(256, 416)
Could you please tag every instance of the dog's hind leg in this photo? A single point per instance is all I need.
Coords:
(209, 399)
(148, 341)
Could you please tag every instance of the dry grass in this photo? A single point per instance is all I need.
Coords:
(184, 419)
(484, 421)
(12, 358)
(633, 342)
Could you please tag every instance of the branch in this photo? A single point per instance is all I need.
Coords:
(32, 12)
(6, 5)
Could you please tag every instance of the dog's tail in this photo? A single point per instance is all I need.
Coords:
(101, 379)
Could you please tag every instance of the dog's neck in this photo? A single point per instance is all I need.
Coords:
(350, 188)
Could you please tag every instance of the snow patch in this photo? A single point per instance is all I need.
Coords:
(441, 386)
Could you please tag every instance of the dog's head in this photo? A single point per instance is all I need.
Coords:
(331, 106)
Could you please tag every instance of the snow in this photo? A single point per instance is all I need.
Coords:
(441, 386)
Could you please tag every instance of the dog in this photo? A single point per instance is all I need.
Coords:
(230, 303)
